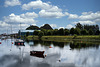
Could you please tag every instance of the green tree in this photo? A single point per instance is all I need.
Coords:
(36, 32)
(55, 32)
(84, 32)
(27, 33)
(77, 31)
(61, 31)
(90, 32)
(67, 32)
(97, 32)
(49, 32)
(44, 31)
(72, 31)
(40, 34)
(80, 26)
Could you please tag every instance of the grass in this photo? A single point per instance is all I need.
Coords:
(67, 38)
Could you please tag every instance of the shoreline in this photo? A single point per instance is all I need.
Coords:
(91, 38)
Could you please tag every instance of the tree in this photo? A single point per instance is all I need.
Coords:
(49, 32)
(40, 34)
(35, 32)
(77, 31)
(72, 31)
(55, 32)
(67, 32)
(61, 31)
(84, 32)
(27, 33)
(44, 31)
(80, 26)
(97, 32)
(90, 32)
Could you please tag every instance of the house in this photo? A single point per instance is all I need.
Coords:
(24, 32)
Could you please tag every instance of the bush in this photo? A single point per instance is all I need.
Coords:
(75, 35)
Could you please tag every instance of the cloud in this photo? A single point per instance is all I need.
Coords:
(69, 26)
(90, 16)
(3, 27)
(38, 4)
(22, 18)
(46, 14)
(86, 17)
(2, 24)
(12, 3)
(15, 20)
(29, 15)
(53, 25)
(71, 16)
(46, 9)
(85, 22)
(61, 27)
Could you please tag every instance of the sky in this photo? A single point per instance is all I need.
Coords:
(57, 13)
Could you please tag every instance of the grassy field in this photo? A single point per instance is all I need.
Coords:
(67, 38)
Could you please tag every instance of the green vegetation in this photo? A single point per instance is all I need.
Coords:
(66, 38)
(80, 32)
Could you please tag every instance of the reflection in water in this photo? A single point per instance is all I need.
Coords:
(83, 45)
(60, 55)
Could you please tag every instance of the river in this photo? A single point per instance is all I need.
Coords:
(57, 54)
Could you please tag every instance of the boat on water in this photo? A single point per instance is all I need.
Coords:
(19, 42)
(36, 52)
(38, 55)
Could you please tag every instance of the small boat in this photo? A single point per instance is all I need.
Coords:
(19, 42)
(38, 55)
(37, 52)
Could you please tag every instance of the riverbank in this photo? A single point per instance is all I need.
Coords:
(66, 38)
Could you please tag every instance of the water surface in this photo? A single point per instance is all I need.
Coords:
(61, 54)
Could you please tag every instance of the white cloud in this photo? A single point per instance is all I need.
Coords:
(71, 16)
(29, 15)
(38, 4)
(61, 27)
(46, 14)
(22, 18)
(85, 22)
(90, 16)
(46, 9)
(53, 25)
(15, 20)
(69, 26)
(3, 27)
(2, 24)
(87, 18)
(12, 3)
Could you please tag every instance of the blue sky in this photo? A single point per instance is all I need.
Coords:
(57, 13)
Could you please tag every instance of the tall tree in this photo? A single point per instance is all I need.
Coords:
(72, 31)
(61, 31)
(84, 32)
(77, 31)
(91, 32)
(80, 26)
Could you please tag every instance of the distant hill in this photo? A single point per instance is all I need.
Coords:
(46, 26)
(31, 27)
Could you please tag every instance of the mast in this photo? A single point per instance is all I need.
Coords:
(20, 30)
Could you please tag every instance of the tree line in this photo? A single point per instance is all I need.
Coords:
(78, 30)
